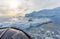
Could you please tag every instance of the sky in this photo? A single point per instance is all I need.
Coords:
(22, 7)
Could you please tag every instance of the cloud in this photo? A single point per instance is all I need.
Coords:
(28, 6)
(45, 4)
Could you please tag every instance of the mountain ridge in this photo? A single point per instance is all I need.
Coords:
(45, 12)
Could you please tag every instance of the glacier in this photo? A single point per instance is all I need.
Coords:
(25, 24)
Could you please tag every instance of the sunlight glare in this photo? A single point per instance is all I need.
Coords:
(14, 3)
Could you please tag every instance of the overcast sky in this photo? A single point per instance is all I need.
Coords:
(26, 6)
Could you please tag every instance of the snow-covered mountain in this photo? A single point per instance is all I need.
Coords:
(45, 13)
(53, 14)
(26, 23)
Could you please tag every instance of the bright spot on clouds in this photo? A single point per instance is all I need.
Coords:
(14, 4)
(26, 6)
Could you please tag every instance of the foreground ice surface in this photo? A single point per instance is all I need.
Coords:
(46, 31)
(49, 38)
